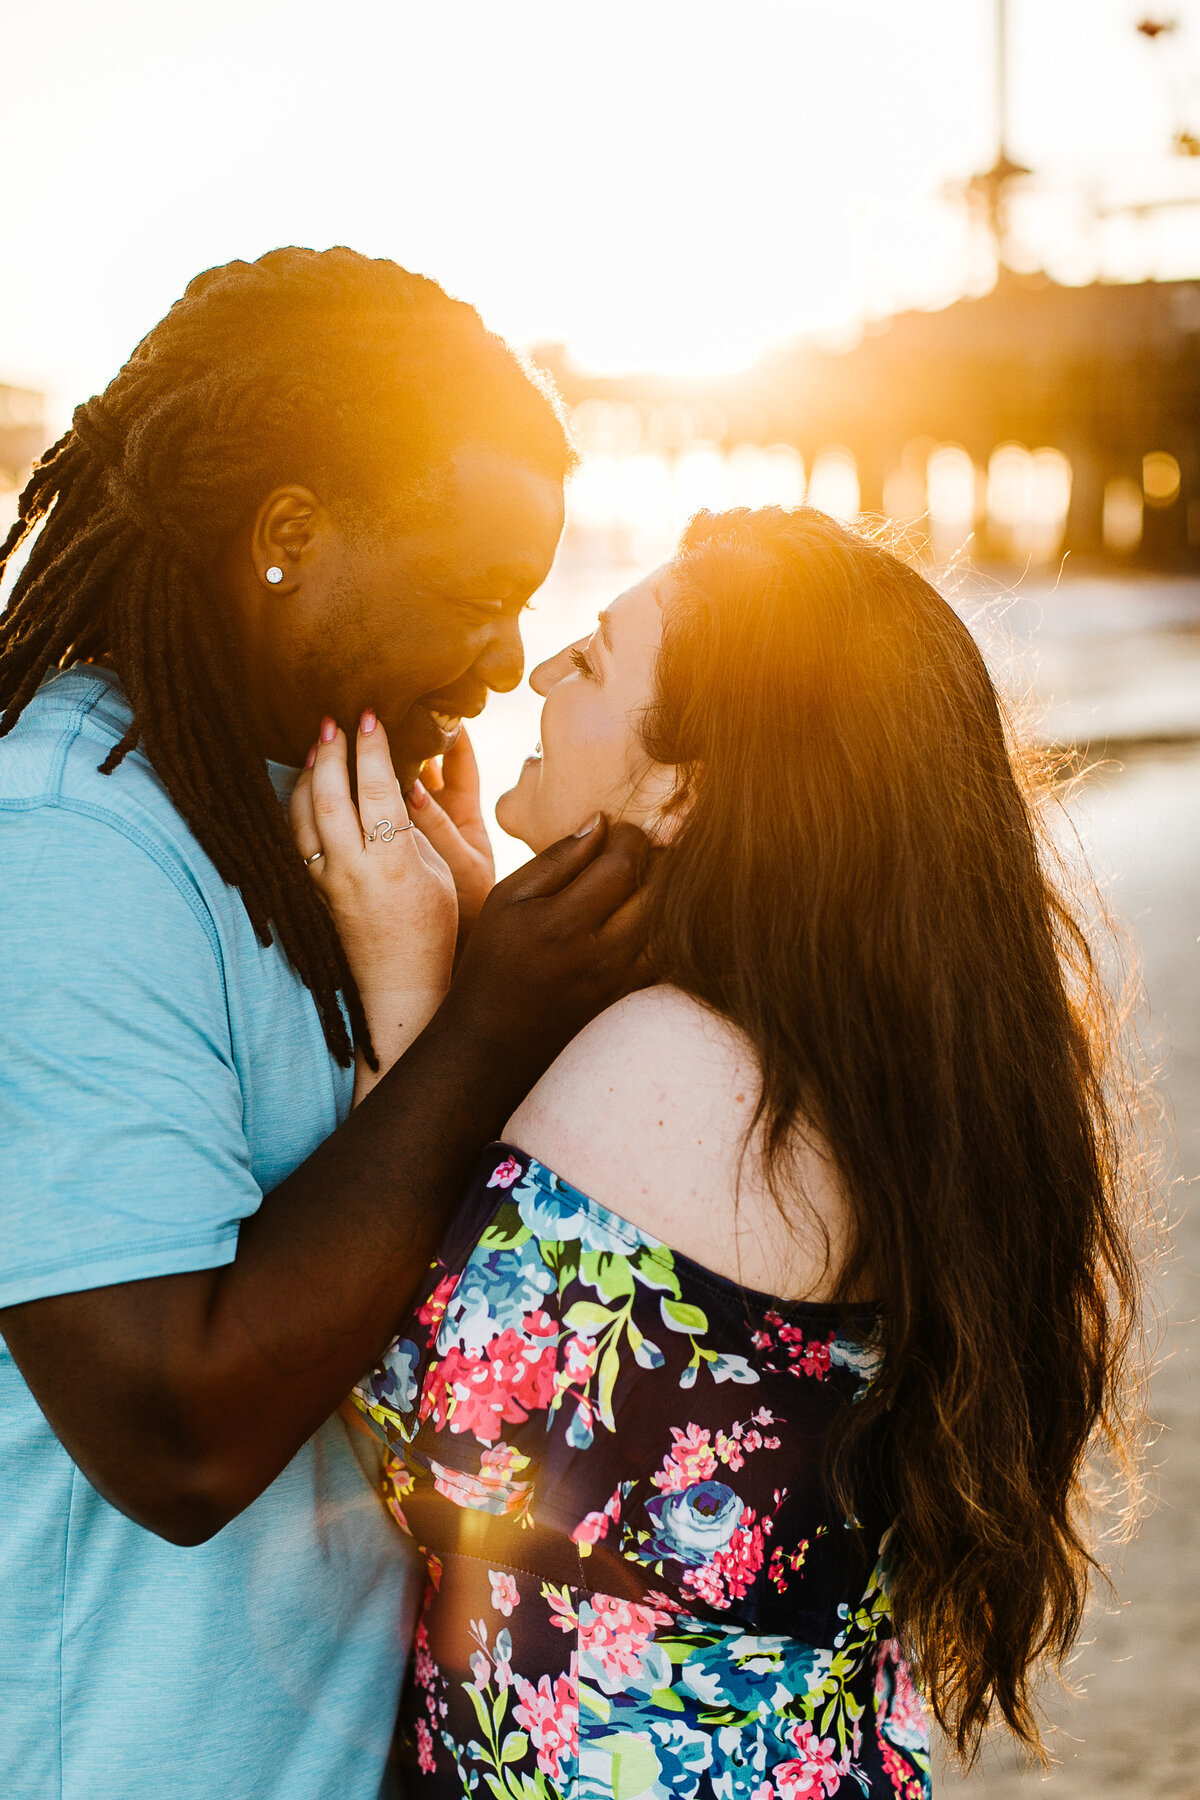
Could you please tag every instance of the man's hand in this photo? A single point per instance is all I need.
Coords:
(555, 944)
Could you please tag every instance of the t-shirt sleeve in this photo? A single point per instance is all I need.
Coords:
(123, 1152)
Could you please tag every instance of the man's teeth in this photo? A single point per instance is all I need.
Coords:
(447, 723)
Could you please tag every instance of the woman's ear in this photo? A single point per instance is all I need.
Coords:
(650, 807)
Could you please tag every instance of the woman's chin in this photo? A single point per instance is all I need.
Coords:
(512, 818)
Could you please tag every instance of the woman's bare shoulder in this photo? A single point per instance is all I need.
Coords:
(647, 1111)
(645, 1074)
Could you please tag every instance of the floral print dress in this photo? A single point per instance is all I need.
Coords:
(638, 1588)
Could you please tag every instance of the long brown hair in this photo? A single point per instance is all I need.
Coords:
(858, 881)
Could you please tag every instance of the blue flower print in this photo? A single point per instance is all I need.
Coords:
(393, 1384)
(751, 1672)
(863, 1360)
(495, 1291)
(693, 1525)
(725, 1367)
(684, 1753)
(740, 1755)
(561, 1217)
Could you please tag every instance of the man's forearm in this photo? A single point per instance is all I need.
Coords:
(203, 1387)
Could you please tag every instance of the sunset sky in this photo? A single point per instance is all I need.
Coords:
(659, 183)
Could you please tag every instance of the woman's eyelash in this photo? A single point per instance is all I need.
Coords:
(579, 658)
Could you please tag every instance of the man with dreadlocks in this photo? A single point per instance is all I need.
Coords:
(318, 487)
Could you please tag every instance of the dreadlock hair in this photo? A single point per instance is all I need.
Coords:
(323, 368)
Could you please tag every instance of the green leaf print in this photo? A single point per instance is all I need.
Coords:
(588, 1317)
(482, 1710)
(595, 1702)
(610, 1368)
(507, 1230)
(634, 1764)
(680, 1315)
(654, 1269)
(514, 1747)
(608, 1273)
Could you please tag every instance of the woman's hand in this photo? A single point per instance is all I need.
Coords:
(453, 824)
(391, 895)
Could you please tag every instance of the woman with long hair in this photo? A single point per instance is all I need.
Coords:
(746, 1417)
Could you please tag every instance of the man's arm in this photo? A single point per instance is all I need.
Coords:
(201, 1387)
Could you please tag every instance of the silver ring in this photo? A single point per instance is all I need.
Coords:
(315, 857)
(385, 831)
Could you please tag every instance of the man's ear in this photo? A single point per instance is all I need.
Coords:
(284, 536)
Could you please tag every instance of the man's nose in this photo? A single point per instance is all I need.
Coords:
(503, 661)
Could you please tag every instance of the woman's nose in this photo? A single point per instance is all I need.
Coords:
(503, 661)
(549, 673)
(543, 677)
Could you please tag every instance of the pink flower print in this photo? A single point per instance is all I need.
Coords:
(565, 1618)
(808, 1359)
(763, 1416)
(505, 1173)
(902, 1716)
(425, 1670)
(493, 1490)
(434, 1309)
(691, 1459)
(551, 1717)
(813, 1773)
(729, 1573)
(591, 1528)
(513, 1377)
(905, 1785)
(482, 1492)
(729, 1449)
(505, 1593)
(579, 1356)
(499, 1464)
(613, 1634)
(425, 1757)
(761, 1340)
(594, 1525)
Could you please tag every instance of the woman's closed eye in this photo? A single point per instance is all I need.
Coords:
(580, 659)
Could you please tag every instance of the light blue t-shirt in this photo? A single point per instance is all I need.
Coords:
(159, 1072)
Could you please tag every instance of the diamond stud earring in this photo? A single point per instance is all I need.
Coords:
(274, 575)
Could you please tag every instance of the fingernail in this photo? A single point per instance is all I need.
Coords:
(328, 730)
(369, 722)
(417, 796)
(590, 826)
(311, 758)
